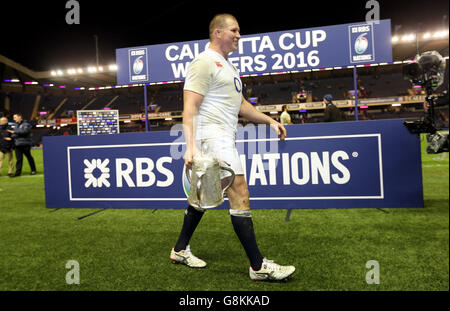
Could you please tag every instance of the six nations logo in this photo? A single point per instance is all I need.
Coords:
(361, 43)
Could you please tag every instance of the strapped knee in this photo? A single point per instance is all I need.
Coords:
(240, 213)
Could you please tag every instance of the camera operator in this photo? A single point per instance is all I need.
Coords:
(439, 101)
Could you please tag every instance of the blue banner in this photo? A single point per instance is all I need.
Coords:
(294, 50)
(323, 165)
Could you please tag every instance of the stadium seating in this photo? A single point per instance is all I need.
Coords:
(100, 102)
(170, 99)
(129, 103)
(375, 85)
(272, 91)
(20, 103)
(49, 103)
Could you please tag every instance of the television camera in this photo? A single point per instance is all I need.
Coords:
(428, 71)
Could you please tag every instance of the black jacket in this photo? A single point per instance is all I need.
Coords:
(5, 145)
(332, 113)
(22, 134)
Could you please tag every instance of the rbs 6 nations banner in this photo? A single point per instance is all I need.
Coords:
(339, 165)
(295, 50)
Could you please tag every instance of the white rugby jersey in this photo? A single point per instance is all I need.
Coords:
(214, 77)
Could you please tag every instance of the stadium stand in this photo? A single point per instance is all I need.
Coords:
(70, 107)
(54, 98)
(100, 102)
(49, 103)
(170, 99)
(129, 103)
(21, 103)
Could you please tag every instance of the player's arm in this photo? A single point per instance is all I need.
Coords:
(196, 85)
(250, 113)
(192, 102)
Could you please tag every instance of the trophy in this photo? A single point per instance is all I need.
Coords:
(206, 185)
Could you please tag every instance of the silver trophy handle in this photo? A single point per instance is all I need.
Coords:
(232, 176)
(187, 174)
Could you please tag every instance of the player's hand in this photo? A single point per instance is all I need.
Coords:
(279, 129)
(189, 156)
(426, 106)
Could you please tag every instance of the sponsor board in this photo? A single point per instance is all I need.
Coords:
(340, 165)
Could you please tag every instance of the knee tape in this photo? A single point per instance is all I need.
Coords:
(240, 213)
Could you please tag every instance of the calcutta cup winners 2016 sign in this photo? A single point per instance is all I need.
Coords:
(292, 51)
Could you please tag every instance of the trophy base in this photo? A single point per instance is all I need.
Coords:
(203, 207)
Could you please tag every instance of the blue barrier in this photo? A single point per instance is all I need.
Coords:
(368, 164)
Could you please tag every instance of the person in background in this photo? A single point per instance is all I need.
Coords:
(6, 146)
(332, 113)
(285, 118)
(22, 143)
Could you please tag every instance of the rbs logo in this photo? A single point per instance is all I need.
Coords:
(140, 173)
(91, 179)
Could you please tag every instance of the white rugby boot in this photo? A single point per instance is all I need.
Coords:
(186, 257)
(270, 271)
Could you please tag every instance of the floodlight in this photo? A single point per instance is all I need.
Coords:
(439, 34)
(409, 37)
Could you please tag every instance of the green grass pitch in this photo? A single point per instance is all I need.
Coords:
(129, 249)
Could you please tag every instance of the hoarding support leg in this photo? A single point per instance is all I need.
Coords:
(82, 217)
(382, 210)
(288, 215)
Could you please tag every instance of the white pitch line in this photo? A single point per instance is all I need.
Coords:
(28, 176)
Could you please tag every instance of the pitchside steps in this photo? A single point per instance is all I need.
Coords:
(57, 108)
(34, 113)
(99, 102)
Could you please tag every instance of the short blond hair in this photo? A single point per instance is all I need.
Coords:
(219, 21)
